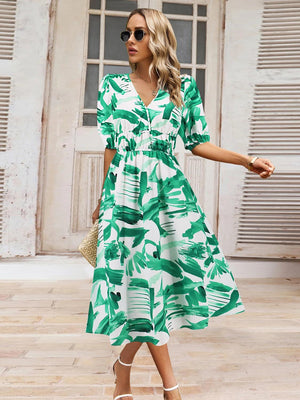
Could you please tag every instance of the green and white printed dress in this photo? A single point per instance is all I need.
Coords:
(159, 265)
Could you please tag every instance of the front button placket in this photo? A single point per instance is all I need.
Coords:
(149, 123)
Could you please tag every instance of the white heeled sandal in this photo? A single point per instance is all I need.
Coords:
(113, 368)
(168, 389)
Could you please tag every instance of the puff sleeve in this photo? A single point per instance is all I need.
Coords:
(193, 129)
(105, 113)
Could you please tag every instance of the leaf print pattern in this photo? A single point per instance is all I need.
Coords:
(159, 264)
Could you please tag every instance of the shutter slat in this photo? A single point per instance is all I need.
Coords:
(270, 211)
(7, 28)
(275, 119)
(281, 27)
(5, 84)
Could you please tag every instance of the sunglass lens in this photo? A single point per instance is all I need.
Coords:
(125, 36)
(139, 34)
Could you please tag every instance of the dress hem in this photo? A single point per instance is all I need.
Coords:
(236, 310)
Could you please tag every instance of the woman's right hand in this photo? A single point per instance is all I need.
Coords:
(95, 214)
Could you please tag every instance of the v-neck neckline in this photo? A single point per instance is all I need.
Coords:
(139, 97)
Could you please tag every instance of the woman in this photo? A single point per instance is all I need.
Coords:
(159, 265)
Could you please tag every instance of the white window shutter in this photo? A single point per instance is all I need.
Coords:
(261, 116)
(7, 36)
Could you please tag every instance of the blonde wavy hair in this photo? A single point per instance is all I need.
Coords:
(162, 44)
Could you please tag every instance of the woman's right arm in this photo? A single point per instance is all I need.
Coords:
(108, 156)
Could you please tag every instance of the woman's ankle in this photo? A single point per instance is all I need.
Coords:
(129, 351)
(125, 360)
(169, 382)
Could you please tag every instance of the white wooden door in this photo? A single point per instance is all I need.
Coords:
(261, 116)
(86, 47)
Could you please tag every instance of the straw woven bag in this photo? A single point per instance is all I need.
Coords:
(88, 246)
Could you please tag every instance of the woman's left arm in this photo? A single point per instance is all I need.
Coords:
(261, 166)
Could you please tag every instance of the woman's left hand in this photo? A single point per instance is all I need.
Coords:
(262, 167)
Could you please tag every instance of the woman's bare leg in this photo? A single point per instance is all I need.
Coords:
(161, 358)
(122, 372)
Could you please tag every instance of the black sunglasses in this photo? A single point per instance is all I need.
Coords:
(138, 34)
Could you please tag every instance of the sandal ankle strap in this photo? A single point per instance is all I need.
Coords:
(121, 362)
(172, 388)
(123, 395)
